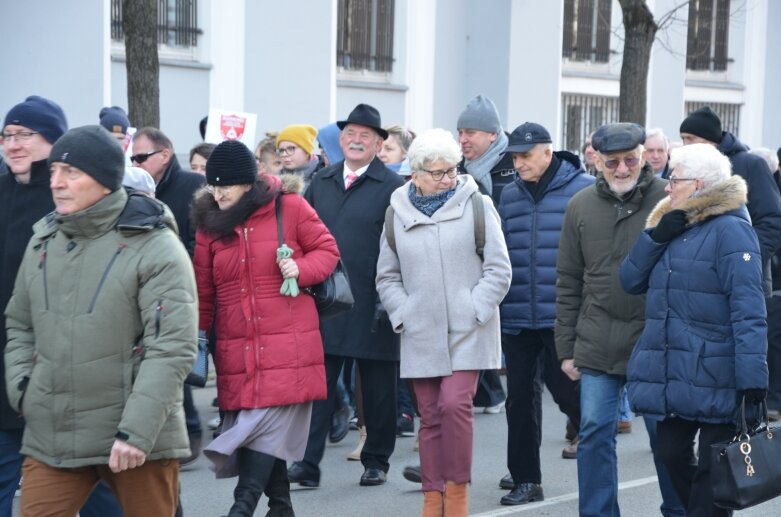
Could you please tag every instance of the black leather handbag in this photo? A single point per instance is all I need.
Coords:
(200, 372)
(746, 471)
(333, 296)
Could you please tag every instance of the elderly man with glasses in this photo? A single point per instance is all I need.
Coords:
(597, 323)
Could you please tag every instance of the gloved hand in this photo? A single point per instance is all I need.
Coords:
(670, 226)
(753, 396)
(381, 318)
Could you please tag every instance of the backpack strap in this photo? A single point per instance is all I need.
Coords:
(479, 216)
(390, 235)
(278, 213)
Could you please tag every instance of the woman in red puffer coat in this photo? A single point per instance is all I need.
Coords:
(268, 352)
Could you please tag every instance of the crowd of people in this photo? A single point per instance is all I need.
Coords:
(639, 277)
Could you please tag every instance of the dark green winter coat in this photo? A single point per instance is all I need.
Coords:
(597, 323)
(102, 330)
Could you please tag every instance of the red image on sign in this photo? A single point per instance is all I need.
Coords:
(232, 126)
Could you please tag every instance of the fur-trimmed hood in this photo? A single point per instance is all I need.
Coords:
(718, 199)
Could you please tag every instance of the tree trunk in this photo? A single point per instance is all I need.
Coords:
(139, 23)
(639, 33)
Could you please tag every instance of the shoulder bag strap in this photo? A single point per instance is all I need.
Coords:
(479, 215)
(389, 231)
(278, 212)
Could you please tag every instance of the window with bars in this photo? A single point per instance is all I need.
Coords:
(177, 22)
(365, 35)
(582, 114)
(587, 30)
(708, 34)
(728, 113)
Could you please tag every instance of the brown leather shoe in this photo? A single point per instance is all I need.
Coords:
(570, 452)
(624, 427)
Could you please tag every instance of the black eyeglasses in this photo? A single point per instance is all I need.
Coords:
(142, 157)
(438, 175)
(629, 162)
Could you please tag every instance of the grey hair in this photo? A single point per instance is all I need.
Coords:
(431, 146)
(657, 131)
(701, 161)
(403, 136)
(768, 155)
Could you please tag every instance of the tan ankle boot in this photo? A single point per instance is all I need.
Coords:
(432, 504)
(356, 454)
(456, 500)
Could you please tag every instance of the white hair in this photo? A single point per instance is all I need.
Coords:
(701, 161)
(657, 132)
(771, 157)
(431, 146)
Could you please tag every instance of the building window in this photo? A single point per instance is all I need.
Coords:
(728, 113)
(365, 35)
(706, 46)
(582, 114)
(177, 22)
(587, 30)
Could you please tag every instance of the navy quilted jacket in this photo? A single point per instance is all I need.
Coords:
(705, 335)
(531, 231)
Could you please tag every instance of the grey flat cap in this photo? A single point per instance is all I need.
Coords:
(622, 136)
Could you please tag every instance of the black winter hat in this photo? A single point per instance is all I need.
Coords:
(365, 115)
(93, 150)
(114, 119)
(231, 163)
(41, 115)
(703, 123)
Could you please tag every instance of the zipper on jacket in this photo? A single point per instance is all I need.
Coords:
(42, 266)
(158, 317)
(251, 295)
(533, 269)
(105, 275)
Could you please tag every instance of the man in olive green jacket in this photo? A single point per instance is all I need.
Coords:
(102, 331)
(597, 323)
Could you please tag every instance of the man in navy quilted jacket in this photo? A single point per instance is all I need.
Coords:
(532, 210)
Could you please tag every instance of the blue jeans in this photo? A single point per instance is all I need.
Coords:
(626, 412)
(671, 505)
(600, 405)
(10, 468)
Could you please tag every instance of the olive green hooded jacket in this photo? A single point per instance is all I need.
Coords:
(102, 330)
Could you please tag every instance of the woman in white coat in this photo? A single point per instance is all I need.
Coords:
(443, 298)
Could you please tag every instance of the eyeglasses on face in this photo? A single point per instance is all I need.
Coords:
(677, 181)
(284, 151)
(21, 137)
(142, 157)
(629, 162)
(221, 189)
(438, 175)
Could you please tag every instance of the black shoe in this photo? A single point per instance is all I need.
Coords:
(373, 477)
(340, 424)
(254, 471)
(405, 425)
(412, 473)
(523, 493)
(506, 483)
(278, 492)
(298, 474)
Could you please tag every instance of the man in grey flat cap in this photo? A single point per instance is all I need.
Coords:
(597, 323)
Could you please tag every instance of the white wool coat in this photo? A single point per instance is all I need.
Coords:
(441, 298)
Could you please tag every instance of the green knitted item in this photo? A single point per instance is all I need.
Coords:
(289, 285)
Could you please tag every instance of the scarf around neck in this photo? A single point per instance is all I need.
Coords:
(480, 169)
(430, 203)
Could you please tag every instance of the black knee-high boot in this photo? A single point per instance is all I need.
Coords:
(254, 471)
(278, 492)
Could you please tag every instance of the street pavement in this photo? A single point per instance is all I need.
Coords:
(340, 495)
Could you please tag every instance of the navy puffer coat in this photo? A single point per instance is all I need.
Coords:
(532, 231)
(705, 336)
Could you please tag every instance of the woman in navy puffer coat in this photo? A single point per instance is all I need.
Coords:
(704, 344)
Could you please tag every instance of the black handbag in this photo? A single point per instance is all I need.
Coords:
(333, 296)
(746, 471)
(200, 372)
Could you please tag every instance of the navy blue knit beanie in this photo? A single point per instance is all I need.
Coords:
(114, 119)
(41, 115)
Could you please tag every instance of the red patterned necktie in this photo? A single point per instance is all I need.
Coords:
(349, 180)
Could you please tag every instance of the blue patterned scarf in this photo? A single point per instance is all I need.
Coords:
(431, 203)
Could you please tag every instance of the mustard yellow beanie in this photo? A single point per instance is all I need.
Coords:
(302, 135)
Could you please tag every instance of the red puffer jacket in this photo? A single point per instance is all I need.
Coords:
(269, 351)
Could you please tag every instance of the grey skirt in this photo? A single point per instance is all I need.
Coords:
(280, 431)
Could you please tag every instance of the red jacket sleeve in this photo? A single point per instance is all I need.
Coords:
(319, 250)
(202, 262)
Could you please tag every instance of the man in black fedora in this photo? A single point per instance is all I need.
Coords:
(351, 197)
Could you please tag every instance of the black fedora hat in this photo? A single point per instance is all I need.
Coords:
(365, 115)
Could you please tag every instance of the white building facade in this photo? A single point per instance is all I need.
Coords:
(556, 62)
